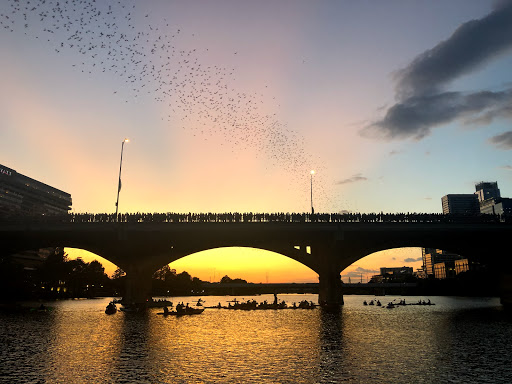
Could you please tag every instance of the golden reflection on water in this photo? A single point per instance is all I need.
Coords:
(374, 340)
(78, 343)
(235, 346)
(84, 343)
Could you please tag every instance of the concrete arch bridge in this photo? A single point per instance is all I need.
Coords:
(327, 248)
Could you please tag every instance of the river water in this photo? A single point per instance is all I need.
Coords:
(462, 340)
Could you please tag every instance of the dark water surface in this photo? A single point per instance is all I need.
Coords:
(459, 340)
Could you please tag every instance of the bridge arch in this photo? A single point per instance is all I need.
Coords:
(249, 263)
(364, 268)
(88, 256)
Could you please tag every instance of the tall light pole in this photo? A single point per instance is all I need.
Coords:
(312, 209)
(119, 184)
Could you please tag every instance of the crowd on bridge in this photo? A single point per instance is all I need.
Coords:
(249, 217)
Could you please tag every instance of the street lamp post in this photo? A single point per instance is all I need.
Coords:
(312, 209)
(119, 184)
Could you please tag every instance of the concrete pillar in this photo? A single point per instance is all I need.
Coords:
(138, 285)
(506, 289)
(330, 293)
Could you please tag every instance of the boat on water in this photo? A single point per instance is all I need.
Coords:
(184, 312)
(111, 308)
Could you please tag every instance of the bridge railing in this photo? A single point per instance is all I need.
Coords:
(249, 217)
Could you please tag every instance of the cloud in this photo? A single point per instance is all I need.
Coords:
(422, 99)
(352, 179)
(394, 152)
(412, 260)
(472, 45)
(415, 117)
(502, 141)
(507, 167)
(427, 198)
(356, 273)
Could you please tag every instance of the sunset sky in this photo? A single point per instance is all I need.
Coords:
(228, 105)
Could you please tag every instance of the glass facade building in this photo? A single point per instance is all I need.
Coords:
(461, 204)
(432, 256)
(22, 195)
(486, 190)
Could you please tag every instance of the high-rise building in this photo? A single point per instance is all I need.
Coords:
(22, 195)
(433, 256)
(486, 190)
(461, 265)
(444, 270)
(465, 204)
(490, 199)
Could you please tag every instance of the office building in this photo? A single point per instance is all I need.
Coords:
(490, 199)
(486, 190)
(461, 265)
(432, 256)
(396, 271)
(393, 274)
(497, 207)
(444, 270)
(22, 195)
(460, 204)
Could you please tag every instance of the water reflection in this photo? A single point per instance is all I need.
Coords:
(24, 337)
(235, 346)
(84, 343)
(478, 345)
(332, 347)
(456, 340)
(132, 361)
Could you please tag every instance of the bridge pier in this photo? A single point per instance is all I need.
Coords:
(330, 293)
(138, 285)
(506, 289)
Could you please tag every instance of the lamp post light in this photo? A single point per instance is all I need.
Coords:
(119, 184)
(312, 209)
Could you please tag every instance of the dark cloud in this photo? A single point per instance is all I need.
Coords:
(503, 110)
(503, 141)
(416, 116)
(472, 45)
(412, 260)
(352, 179)
(422, 99)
